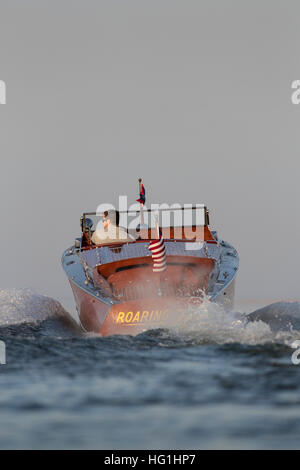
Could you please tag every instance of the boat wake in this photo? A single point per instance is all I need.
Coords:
(211, 323)
(208, 323)
(19, 306)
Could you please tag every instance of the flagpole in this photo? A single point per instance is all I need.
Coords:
(142, 214)
(142, 201)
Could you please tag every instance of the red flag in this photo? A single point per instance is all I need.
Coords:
(157, 247)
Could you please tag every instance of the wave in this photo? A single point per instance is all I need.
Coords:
(283, 315)
(206, 323)
(213, 323)
(25, 306)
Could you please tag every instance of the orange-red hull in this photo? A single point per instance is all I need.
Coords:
(128, 318)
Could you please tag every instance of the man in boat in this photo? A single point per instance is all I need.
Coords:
(111, 232)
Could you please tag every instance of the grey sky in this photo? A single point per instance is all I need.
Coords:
(194, 96)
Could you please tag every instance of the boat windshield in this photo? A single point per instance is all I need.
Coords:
(176, 222)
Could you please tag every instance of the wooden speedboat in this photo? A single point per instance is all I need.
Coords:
(116, 290)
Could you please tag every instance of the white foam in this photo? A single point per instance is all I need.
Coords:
(212, 323)
(205, 323)
(25, 306)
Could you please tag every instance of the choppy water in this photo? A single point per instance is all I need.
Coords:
(217, 382)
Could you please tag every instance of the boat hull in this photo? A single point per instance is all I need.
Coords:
(129, 318)
(136, 316)
(101, 312)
